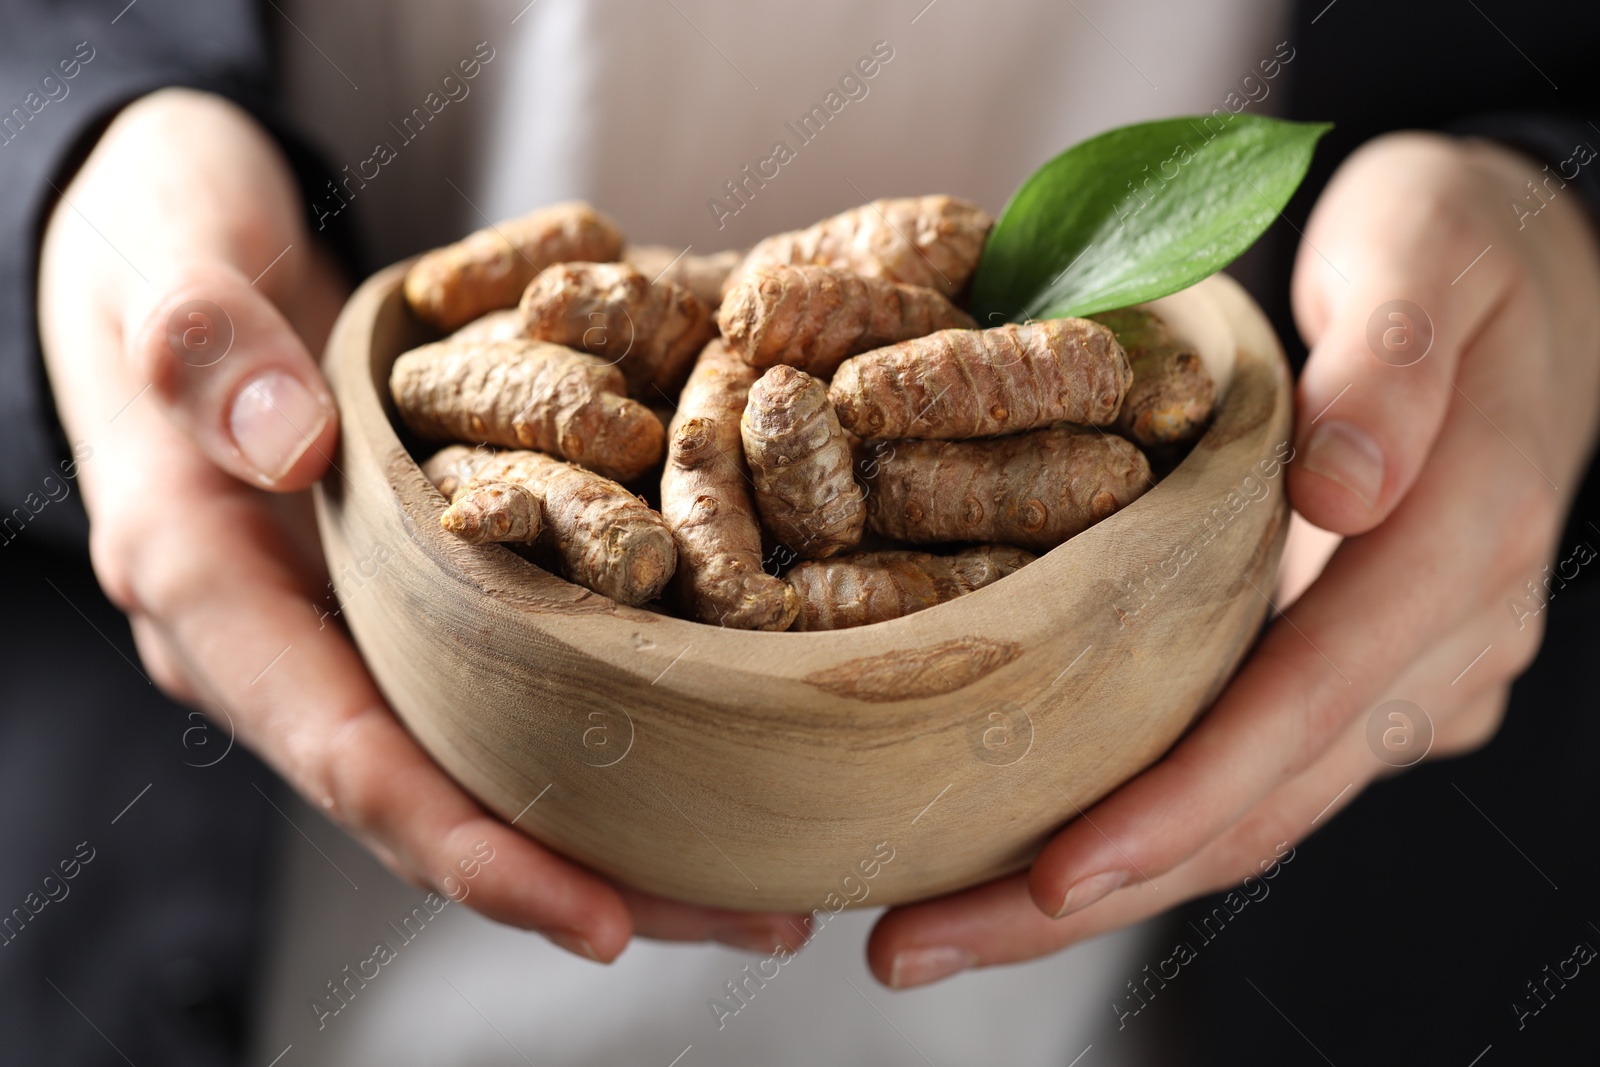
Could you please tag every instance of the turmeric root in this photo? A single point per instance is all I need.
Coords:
(452, 466)
(451, 286)
(701, 275)
(650, 331)
(801, 465)
(813, 317)
(493, 512)
(1172, 395)
(705, 499)
(983, 383)
(599, 534)
(931, 241)
(868, 587)
(504, 324)
(1032, 490)
(527, 394)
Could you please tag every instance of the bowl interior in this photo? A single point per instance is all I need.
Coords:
(1193, 315)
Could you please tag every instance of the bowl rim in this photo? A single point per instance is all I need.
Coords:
(1007, 612)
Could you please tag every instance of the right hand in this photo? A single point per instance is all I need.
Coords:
(200, 523)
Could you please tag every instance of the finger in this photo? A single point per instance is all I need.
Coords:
(228, 370)
(162, 665)
(1472, 727)
(216, 585)
(1384, 598)
(998, 923)
(370, 776)
(1313, 799)
(1386, 327)
(652, 916)
(1457, 689)
(669, 920)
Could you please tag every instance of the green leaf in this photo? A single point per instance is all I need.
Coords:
(1139, 212)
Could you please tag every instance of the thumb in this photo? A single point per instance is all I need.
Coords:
(229, 371)
(1386, 334)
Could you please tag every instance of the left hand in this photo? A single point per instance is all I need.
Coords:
(199, 522)
(1449, 479)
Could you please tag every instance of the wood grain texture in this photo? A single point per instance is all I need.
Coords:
(757, 770)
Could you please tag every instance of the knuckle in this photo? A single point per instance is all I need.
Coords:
(1324, 720)
(347, 783)
(1442, 211)
(146, 541)
(1529, 524)
(117, 554)
(164, 579)
(1311, 712)
(161, 662)
(1539, 504)
(147, 352)
(1448, 215)
(183, 328)
(111, 553)
(1525, 648)
(1249, 847)
(1476, 726)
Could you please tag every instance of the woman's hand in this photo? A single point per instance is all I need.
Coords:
(180, 298)
(1444, 437)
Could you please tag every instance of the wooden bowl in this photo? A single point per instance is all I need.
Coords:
(767, 771)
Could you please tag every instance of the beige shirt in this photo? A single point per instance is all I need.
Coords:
(649, 107)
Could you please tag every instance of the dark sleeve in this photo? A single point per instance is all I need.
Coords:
(1569, 148)
(66, 68)
(1486, 68)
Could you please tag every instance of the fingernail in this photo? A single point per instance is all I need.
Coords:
(919, 966)
(573, 943)
(273, 421)
(1347, 455)
(1090, 890)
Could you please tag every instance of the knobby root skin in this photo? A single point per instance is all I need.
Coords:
(651, 331)
(867, 587)
(1032, 490)
(600, 535)
(931, 241)
(489, 269)
(957, 384)
(453, 465)
(701, 275)
(800, 462)
(705, 499)
(504, 324)
(1172, 396)
(812, 317)
(527, 394)
(494, 513)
